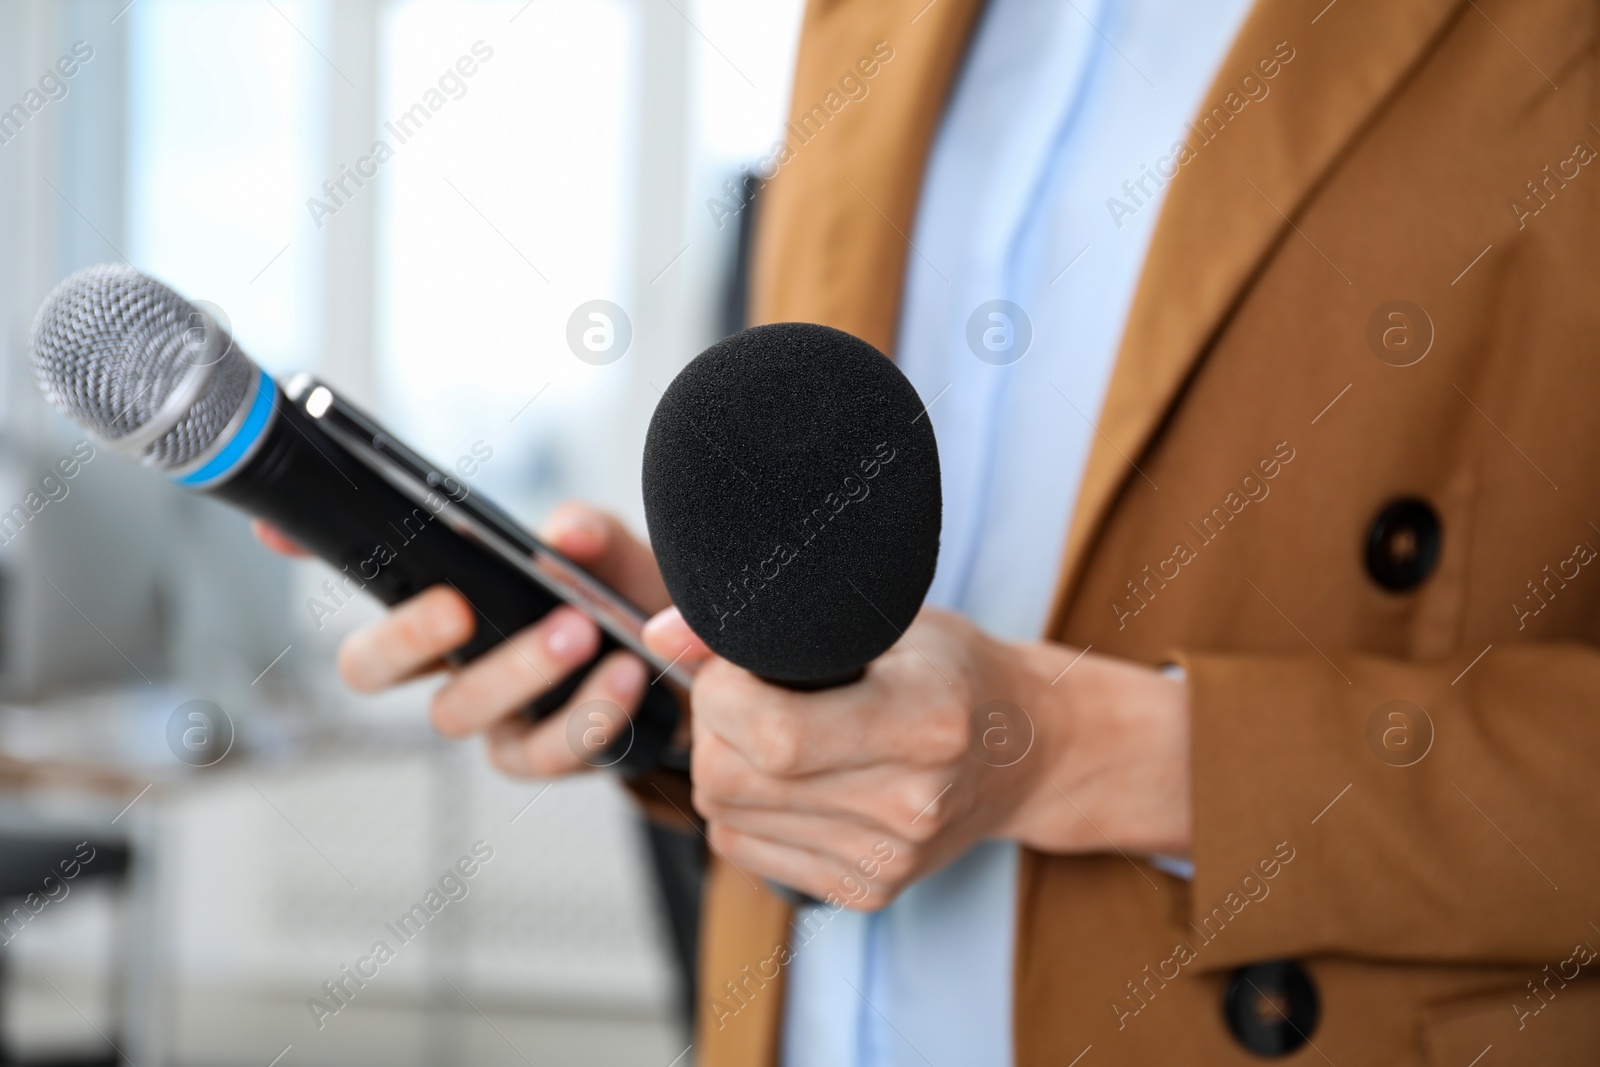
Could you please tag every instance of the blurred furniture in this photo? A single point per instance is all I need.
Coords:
(55, 858)
(26, 864)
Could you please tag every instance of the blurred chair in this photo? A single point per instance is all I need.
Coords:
(28, 859)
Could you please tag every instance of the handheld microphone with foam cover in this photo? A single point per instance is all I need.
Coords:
(791, 488)
(152, 375)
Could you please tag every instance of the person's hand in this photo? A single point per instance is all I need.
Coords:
(488, 694)
(851, 794)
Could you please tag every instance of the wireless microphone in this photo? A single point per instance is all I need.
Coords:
(154, 376)
(791, 488)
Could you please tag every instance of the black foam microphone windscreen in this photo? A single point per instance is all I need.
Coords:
(791, 489)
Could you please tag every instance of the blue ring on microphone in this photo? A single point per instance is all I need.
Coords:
(254, 423)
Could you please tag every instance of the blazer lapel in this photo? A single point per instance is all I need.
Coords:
(835, 227)
(1230, 204)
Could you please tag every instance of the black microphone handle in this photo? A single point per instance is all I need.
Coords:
(306, 484)
(813, 687)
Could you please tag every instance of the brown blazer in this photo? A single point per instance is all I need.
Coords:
(1258, 424)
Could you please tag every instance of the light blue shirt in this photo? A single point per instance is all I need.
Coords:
(1057, 106)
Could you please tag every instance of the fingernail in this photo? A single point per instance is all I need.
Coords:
(625, 677)
(445, 621)
(568, 636)
(667, 627)
(576, 530)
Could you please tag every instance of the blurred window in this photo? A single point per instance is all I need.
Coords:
(500, 214)
(505, 197)
(225, 135)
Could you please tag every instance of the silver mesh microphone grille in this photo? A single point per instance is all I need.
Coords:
(111, 346)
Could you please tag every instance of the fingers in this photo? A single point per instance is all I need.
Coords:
(900, 712)
(555, 746)
(603, 546)
(668, 636)
(812, 873)
(848, 793)
(910, 803)
(407, 641)
(514, 672)
(843, 841)
(274, 539)
(874, 864)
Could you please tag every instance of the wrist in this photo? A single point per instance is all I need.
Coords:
(1043, 727)
(1112, 741)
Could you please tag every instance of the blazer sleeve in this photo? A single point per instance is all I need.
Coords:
(1479, 843)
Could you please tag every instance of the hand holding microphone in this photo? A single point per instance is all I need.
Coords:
(485, 696)
(791, 486)
(161, 380)
(845, 743)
